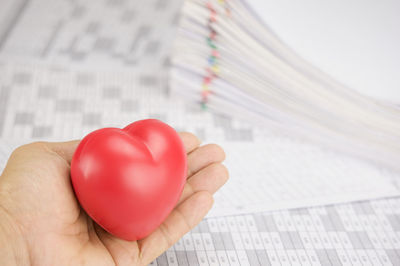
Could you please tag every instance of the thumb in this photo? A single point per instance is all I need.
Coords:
(28, 154)
(64, 149)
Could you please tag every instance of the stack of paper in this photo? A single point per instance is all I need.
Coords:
(227, 59)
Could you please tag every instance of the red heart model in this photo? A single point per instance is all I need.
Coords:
(128, 180)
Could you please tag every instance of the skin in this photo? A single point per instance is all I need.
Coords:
(41, 222)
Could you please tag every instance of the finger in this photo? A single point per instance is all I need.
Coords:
(203, 156)
(181, 220)
(64, 149)
(190, 141)
(210, 179)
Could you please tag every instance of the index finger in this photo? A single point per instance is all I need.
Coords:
(190, 141)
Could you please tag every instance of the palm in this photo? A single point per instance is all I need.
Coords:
(56, 226)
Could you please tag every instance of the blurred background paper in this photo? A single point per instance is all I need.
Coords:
(357, 42)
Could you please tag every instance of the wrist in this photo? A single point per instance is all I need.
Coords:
(13, 249)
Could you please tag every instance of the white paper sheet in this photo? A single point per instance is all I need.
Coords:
(282, 174)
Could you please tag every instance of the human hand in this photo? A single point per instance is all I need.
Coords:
(41, 222)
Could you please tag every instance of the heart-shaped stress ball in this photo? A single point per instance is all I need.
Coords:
(128, 180)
